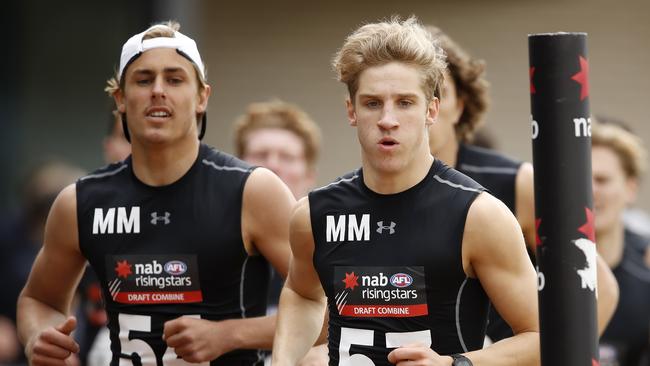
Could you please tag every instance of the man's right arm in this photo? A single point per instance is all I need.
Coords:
(43, 305)
(302, 302)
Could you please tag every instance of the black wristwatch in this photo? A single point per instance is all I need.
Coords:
(460, 360)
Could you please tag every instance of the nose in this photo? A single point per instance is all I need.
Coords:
(272, 162)
(595, 188)
(388, 118)
(158, 88)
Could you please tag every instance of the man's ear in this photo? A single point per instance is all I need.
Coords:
(352, 114)
(204, 95)
(432, 111)
(118, 96)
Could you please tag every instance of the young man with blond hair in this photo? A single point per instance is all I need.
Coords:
(405, 252)
(179, 233)
(281, 137)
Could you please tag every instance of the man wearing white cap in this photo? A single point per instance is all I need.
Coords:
(180, 234)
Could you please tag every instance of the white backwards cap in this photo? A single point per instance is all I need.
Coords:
(135, 46)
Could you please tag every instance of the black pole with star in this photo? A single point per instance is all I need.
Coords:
(566, 251)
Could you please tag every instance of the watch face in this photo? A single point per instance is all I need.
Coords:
(461, 361)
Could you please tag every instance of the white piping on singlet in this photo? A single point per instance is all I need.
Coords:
(242, 308)
(220, 167)
(458, 330)
(338, 182)
(456, 185)
(105, 174)
(488, 169)
(241, 288)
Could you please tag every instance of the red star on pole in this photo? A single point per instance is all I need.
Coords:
(538, 241)
(351, 280)
(582, 78)
(588, 227)
(531, 71)
(123, 269)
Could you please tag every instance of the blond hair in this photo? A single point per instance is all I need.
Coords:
(392, 40)
(628, 147)
(164, 29)
(468, 75)
(282, 115)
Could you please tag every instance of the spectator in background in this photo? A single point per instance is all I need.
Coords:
(21, 237)
(283, 138)
(618, 162)
(635, 218)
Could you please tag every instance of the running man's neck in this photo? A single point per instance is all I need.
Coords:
(448, 153)
(395, 182)
(160, 165)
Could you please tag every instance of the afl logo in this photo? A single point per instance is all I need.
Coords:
(175, 268)
(401, 280)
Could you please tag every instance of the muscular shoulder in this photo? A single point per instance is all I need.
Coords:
(300, 216)
(264, 186)
(302, 242)
(488, 210)
(266, 208)
(61, 226)
(491, 230)
(65, 203)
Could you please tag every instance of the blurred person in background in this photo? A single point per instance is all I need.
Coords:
(619, 160)
(21, 236)
(463, 105)
(116, 147)
(281, 136)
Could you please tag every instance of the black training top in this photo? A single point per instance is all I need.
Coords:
(391, 266)
(163, 252)
(494, 171)
(628, 333)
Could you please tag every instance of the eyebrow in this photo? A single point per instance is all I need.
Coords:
(166, 70)
(399, 95)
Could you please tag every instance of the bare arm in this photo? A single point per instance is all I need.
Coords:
(525, 209)
(494, 251)
(302, 302)
(45, 301)
(266, 209)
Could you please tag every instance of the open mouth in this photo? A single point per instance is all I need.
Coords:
(159, 114)
(388, 142)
